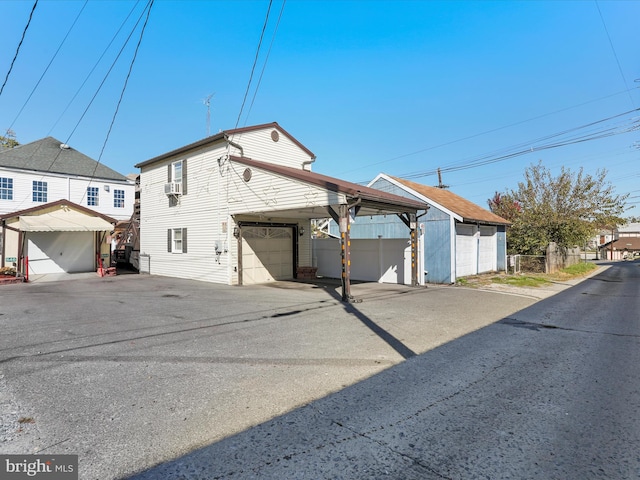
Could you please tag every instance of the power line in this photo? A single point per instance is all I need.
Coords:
(615, 55)
(469, 137)
(255, 61)
(126, 81)
(264, 66)
(101, 83)
(24, 32)
(492, 158)
(50, 62)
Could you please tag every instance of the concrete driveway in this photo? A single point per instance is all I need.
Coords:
(134, 370)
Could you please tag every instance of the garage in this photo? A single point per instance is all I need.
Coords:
(267, 254)
(466, 250)
(487, 254)
(58, 237)
(60, 252)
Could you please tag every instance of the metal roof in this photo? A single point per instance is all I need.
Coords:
(51, 155)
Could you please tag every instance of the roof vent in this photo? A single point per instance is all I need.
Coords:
(64, 146)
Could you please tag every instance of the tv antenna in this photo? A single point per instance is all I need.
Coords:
(207, 102)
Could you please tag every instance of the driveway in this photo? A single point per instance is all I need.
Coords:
(134, 370)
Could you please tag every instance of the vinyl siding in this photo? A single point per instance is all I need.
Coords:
(259, 146)
(217, 196)
(69, 188)
(196, 211)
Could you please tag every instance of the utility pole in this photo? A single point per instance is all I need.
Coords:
(207, 102)
(440, 184)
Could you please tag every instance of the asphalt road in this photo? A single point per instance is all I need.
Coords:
(287, 382)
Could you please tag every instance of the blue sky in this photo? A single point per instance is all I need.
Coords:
(400, 87)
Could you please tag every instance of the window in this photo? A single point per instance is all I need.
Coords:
(177, 240)
(177, 172)
(6, 188)
(39, 191)
(118, 198)
(92, 196)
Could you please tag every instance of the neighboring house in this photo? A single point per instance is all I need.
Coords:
(47, 170)
(55, 237)
(626, 243)
(458, 238)
(236, 207)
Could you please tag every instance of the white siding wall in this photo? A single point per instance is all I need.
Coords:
(69, 188)
(259, 146)
(269, 192)
(199, 211)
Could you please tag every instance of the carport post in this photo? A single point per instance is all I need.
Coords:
(345, 252)
(414, 250)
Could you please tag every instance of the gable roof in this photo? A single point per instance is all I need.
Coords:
(222, 136)
(61, 203)
(624, 243)
(52, 156)
(370, 198)
(469, 211)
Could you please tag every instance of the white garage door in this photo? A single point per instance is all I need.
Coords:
(59, 252)
(267, 254)
(466, 251)
(487, 255)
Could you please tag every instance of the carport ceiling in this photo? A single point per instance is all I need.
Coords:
(369, 200)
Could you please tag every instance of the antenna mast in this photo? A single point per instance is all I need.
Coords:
(207, 102)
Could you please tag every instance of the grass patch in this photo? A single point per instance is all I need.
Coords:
(579, 268)
(521, 281)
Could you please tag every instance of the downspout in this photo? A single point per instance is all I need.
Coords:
(3, 240)
(234, 144)
(308, 162)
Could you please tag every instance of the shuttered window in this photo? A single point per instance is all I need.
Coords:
(177, 240)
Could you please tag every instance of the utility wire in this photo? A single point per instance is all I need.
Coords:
(93, 68)
(126, 82)
(50, 62)
(255, 61)
(264, 66)
(101, 83)
(615, 55)
(508, 153)
(24, 32)
(469, 137)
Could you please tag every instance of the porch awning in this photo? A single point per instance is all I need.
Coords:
(63, 220)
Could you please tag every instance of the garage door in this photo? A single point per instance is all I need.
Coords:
(487, 254)
(267, 254)
(59, 252)
(466, 251)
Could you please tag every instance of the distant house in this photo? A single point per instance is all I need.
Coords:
(47, 170)
(458, 238)
(46, 186)
(235, 207)
(626, 242)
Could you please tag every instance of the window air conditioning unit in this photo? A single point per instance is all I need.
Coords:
(172, 188)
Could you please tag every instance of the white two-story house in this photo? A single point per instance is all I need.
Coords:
(235, 207)
(56, 202)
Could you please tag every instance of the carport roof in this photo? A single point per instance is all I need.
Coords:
(63, 216)
(372, 200)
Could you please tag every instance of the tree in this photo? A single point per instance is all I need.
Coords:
(567, 209)
(9, 140)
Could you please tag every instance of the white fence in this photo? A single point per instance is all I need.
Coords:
(372, 260)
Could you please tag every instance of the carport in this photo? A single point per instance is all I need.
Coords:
(341, 200)
(57, 237)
